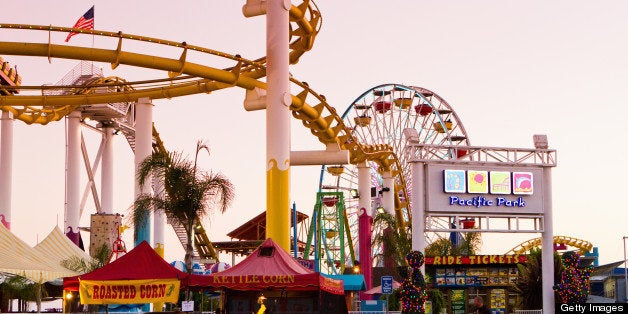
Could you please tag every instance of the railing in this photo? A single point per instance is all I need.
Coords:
(374, 312)
(529, 311)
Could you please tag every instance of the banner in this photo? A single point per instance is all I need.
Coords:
(129, 291)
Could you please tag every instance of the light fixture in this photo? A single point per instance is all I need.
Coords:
(356, 267)
(540, 141)
(68, 296)
(354, 193)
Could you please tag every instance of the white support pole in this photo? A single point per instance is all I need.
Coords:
(278, 123)
(547, 238)
(6, 167)
(388, 193)
(143, 149)
(106, 178)
(417, 200)
(73, 177)
(159, 218)
(364, 187)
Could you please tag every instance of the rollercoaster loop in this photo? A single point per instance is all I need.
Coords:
(321, 118)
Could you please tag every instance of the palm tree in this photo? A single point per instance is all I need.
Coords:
(469, 245)
(396, 242)
(188, 195)
(529, 284)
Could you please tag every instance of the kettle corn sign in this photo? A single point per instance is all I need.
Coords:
(129, 291)
(482, 189)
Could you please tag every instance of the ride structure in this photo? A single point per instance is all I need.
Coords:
(185, 78)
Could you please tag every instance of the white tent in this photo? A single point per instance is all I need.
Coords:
(57, 247)
(17, 257)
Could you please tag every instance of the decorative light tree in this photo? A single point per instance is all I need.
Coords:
(573, 287)
(413, 292)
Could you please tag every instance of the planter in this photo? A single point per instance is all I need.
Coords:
(423, 109)
(468, 223)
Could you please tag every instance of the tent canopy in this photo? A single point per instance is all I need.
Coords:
(269, 266)
(378, 289)
(142, 262)
(351, 282)
(17, 257)
(57, 247)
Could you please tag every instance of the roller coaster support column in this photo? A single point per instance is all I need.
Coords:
(73, 177)
(547, 258)
(143, 149)
(6, 167)
(365, 223)
(159, 218)
(278, 123)
(106, 180)
(418, 207)
(388, 193)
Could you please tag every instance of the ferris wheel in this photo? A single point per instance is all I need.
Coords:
(379, 116)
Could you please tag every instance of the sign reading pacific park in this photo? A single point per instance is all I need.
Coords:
(129, 291)
(484, 189)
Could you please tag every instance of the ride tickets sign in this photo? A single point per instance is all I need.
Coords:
(482, 189)
(475, 259)
(129, 291)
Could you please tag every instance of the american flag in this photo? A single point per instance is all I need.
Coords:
(85, 22)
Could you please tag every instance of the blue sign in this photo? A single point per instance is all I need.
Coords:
(387, 284)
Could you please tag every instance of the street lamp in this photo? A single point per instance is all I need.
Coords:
(625, 272)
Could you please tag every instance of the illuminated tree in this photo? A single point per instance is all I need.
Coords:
(573, 287)
(413, 290)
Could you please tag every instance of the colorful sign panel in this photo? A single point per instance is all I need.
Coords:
(482, 189)
(475, 259)
(458, 301)
(475, 276)
(129, 291)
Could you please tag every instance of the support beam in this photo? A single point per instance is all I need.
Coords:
(278, 123)
(143, 149)
(365, 227)
(418, 207)
(73, 177)
(319, 157)
(6, 167)
(388, 193)
(159, 218)
(106, 173)
(547, 258)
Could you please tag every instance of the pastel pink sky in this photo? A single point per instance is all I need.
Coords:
(510, 69)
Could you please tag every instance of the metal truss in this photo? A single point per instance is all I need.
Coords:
(496, 223)
(416, 152)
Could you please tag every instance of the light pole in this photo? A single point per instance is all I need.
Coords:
(625, 272)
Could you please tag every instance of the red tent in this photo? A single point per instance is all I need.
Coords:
(271, 277)
(269, 267)
(142, 262)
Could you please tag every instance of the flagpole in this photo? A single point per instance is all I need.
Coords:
(94, 35)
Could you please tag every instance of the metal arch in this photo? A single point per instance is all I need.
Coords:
(582, 245)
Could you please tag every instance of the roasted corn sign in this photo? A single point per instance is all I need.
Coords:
(129, 291)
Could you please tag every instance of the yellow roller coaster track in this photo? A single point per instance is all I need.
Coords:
(582, 245)
(187, 78)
